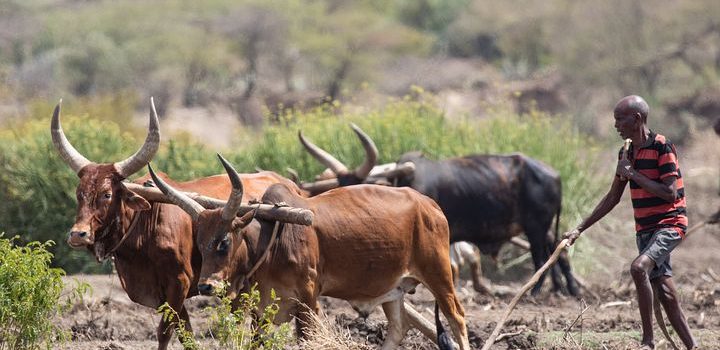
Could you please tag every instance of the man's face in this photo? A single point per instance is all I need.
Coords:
(626, 123)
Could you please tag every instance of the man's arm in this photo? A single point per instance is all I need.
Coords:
(667, 190)
(611, 199)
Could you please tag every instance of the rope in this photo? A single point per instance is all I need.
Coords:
(264, 255)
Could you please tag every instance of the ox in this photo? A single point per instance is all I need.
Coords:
(487, 199)
(152, 244)
(368, 245)
(464, 254)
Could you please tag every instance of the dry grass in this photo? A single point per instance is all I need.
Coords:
(327, 335)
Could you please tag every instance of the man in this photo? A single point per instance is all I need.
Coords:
(656, 186)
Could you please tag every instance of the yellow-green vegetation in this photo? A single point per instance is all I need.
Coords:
(211, 52)
(29, 293)
(38, 188)
(237, 329)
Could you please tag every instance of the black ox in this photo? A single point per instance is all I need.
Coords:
(487, 199)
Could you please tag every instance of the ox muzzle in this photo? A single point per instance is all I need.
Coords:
(80, 237)
(210, 287)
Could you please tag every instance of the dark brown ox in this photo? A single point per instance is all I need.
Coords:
(368, 245)
(487, 199)
(152, 243)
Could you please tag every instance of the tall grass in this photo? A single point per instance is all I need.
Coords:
(38, 188)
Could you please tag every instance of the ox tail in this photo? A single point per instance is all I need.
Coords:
(443, 338)
(557, 218)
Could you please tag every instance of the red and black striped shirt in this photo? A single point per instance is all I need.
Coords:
(657, 160)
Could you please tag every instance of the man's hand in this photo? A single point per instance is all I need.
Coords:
(572, 236)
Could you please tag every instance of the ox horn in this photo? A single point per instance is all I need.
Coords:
(176, 197)
(143, 156)
(371, 153)
(322, 156)
(69, 154)
(233, 203)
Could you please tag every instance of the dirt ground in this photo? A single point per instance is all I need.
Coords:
(107, 319)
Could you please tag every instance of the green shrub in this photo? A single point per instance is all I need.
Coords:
(235, 329)
(29, 293)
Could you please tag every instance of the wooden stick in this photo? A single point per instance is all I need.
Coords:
(695, 228)
(626, 146)
(520, 242)
(553, 258)
(661, 321)
(264, 211)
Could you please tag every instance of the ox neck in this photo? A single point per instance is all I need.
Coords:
(115, 234)
(259, 257)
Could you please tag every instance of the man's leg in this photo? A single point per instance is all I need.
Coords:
(668, 297)
(640, 269)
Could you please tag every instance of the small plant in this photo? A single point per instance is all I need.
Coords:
(186, 336)
(247, 327)
(29, 293)
(240, 328)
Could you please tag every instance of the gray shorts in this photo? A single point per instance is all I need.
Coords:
(657, 245)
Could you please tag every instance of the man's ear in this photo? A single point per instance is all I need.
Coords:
(133, 201)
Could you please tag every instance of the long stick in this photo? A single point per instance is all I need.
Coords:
(553, 258)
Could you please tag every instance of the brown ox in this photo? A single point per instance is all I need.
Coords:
(368, 245)
(152, 243)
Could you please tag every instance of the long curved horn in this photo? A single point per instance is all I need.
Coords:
(69, 154)
(371, 153)
(323, 157)
(178, 198)
(233, 203)
(143, 156)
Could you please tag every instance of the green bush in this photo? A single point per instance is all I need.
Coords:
(29, 293)
(235, 329)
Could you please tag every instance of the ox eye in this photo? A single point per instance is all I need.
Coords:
(223, 246)
(107, 195)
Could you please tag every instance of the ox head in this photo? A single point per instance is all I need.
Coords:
(220, 234)
(337, 174)
(100, 194)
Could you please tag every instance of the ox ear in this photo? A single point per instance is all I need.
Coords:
(134, 201)
(241, 222)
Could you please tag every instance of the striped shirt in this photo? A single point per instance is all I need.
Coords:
(657, 160)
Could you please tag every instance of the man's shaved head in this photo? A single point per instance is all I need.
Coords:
(633, 104)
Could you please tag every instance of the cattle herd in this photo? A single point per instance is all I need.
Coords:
(370, 236)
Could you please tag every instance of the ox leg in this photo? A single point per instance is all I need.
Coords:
(455, 274)
(306, 311)
(555, 270)
(476, 274)
(166, 328)
(398, 324)
(540, 254)
(455, 315)
(564, 264)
